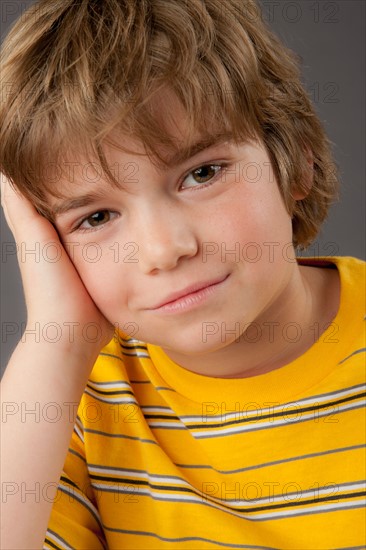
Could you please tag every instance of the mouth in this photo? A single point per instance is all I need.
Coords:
(189, 297)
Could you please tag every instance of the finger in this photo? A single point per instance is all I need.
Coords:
(21, 216)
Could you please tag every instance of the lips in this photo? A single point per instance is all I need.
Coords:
(174, 296)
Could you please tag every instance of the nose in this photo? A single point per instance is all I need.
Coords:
(165, 237)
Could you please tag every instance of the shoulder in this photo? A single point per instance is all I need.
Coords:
(352, 271)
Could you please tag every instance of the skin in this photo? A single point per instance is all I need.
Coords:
(169, 217)
(167, 230)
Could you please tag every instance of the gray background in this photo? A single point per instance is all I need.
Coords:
(329, 37)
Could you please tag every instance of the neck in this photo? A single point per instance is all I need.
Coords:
(290, 325)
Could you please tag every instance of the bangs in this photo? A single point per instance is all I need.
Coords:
(78, 76)
(115, 76)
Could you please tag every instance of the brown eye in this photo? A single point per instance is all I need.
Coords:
(96, 221)
(203, 176)
(204, 173)
(98, 218)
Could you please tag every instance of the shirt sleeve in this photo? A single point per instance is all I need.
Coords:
(74, 521)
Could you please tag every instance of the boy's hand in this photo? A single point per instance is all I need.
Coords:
(55, 296)
(52, 366)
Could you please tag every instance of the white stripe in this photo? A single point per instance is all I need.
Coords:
(159, 424)
(115, 399)
(306, 509)
(276, 422)
(119, 488)
(303, 494)
(284, 407)
(300, 511)
(158, 410)
(132, 341)
(233, 502)
(79, 432)
(76, 494)
(139, 475)
(110, 385)
(55, 538)
(135, 354)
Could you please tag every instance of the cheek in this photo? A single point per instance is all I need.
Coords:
(101, 277)
(251, 217)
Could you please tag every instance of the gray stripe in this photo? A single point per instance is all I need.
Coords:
(159, 427)
(142, 491)
(109, 382)
(71, 490)
(121, 436)
(110, 400)
(135, 471)
(129, 471)
(147, 408)
(136, 354)
(57, 536)
(224, 503)
(77, 454)
(312, 399)
(310, 512)
(104, 354)
(254, 429)
(200, 500)
(217, 504)
(273, 462)
(351, 355)
(186, 539)
(158, 388)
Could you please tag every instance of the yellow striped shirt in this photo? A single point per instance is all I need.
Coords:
(165, 458)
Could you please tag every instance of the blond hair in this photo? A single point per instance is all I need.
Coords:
(74, 71)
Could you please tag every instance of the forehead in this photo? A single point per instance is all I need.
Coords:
(89, 177)
(120, 148)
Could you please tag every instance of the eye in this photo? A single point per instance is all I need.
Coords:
(95, 220)
(204, 175)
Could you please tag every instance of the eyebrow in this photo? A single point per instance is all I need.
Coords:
(77, 202)
(182, 155)
(185, 153)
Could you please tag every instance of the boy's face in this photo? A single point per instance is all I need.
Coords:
(197, 225)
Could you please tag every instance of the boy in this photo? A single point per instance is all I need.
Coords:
(210, 382)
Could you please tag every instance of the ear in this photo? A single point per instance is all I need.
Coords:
(308, 178)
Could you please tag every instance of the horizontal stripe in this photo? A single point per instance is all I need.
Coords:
(114, 401)
(187, 539)
(279, 409)
(152, 409)
(112, 392)
(149, 477)
(121, 436)
(52, 544)
(110, 384)
(55, 538)
(79, 433)
(136, 354)
(323, 509)
(145, 487)
(279, 414)
(134, 346)
(273, 462)
(279, 514)
(111, 355)
(140, 474)
(361, 350)
(79, 496)
(241, 429)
